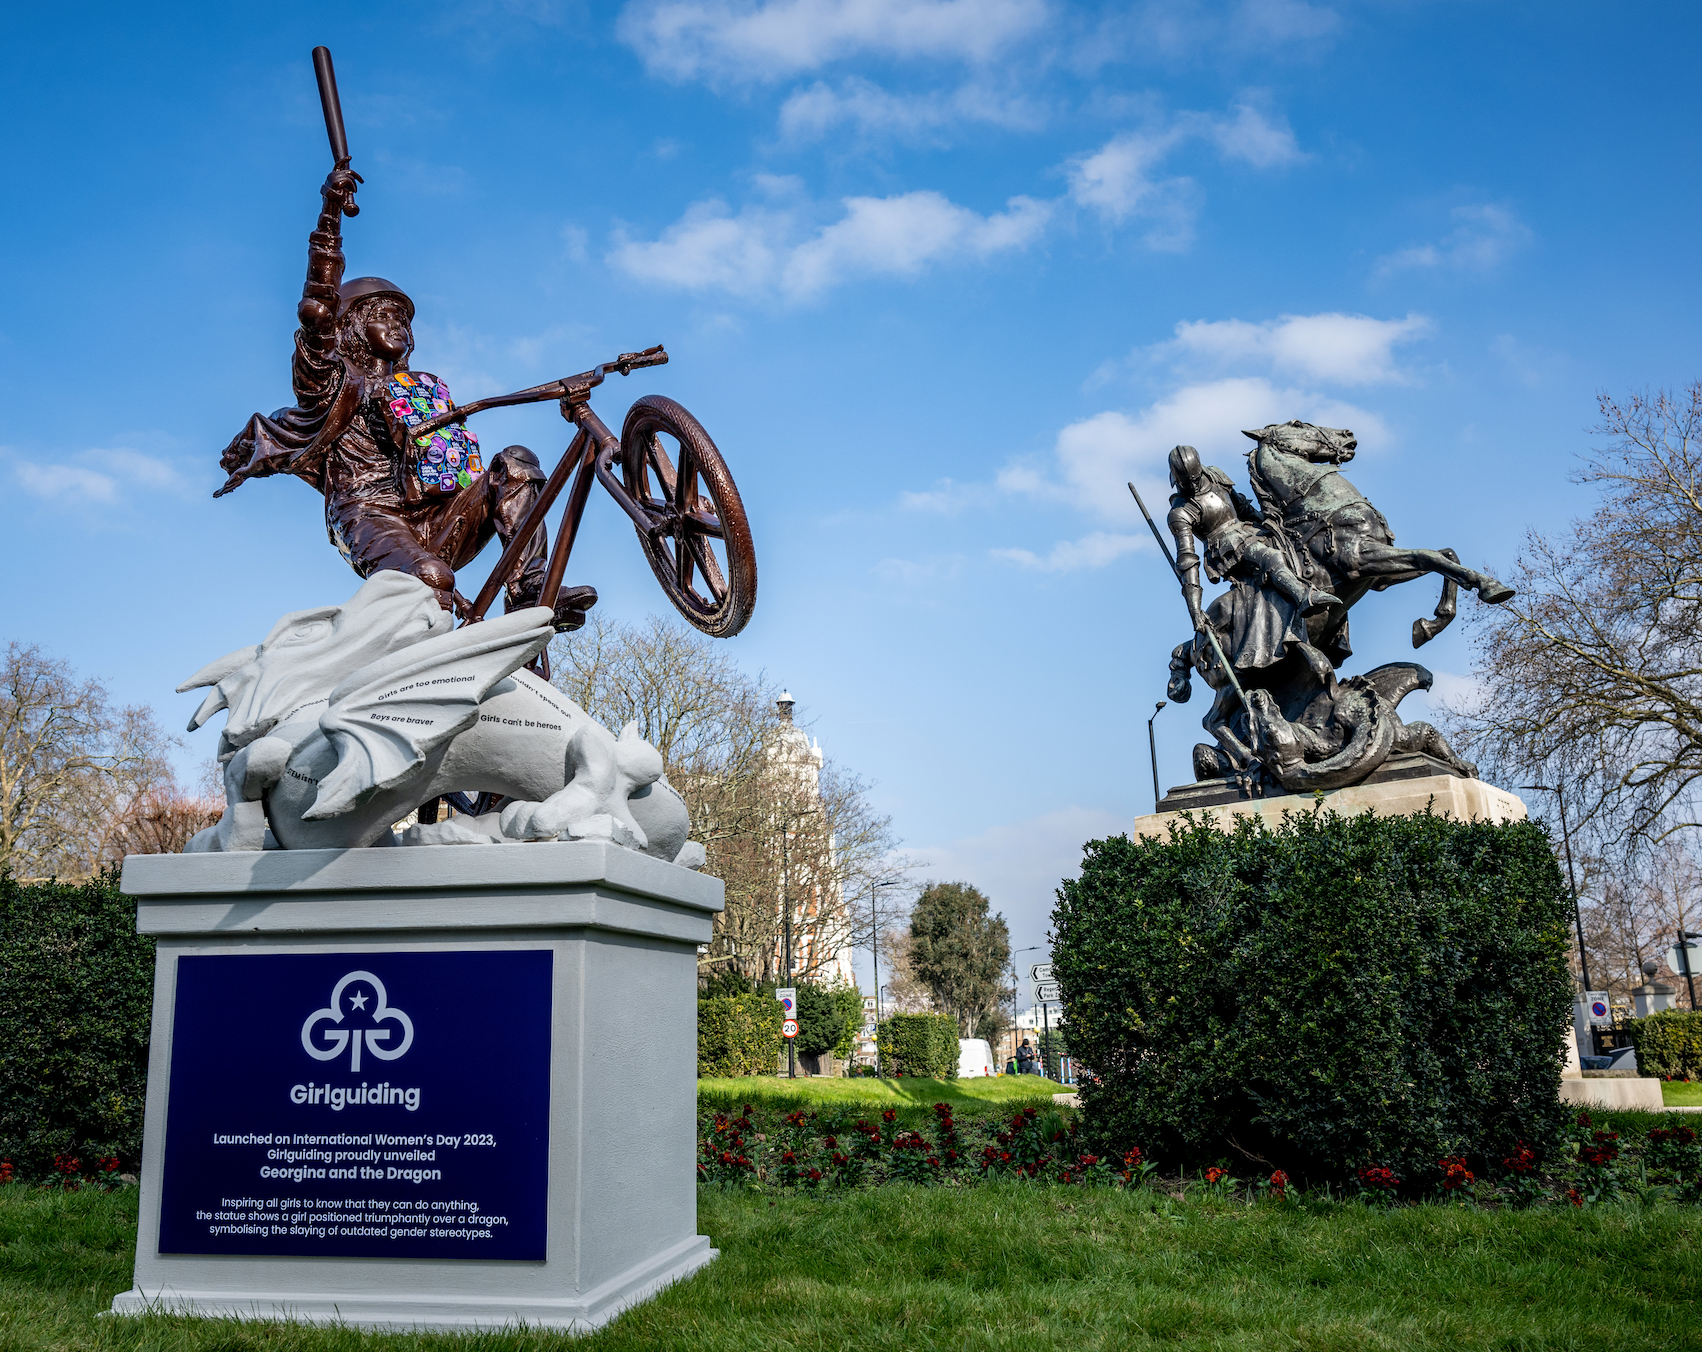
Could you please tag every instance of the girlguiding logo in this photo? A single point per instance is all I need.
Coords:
(338, 1040)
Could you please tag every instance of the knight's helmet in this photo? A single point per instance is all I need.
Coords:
(1184, 467)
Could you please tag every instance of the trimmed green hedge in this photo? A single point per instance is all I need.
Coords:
(1669, 1044)
(919, 1044)
(76, 1001)
(1332, 995)
(738, 1035)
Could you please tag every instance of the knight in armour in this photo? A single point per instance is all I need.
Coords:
(420, 506)
(1268, 602)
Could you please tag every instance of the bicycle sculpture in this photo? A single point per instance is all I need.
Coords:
(1270, 646)
(404, 481)
(346, 717)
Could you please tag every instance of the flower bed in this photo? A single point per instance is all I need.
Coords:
(841, 1148)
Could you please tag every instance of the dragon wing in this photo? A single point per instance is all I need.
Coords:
(393, 713)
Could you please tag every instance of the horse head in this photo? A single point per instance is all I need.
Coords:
(309, 651)
(1332, 445)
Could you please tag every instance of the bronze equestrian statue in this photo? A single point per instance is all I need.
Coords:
(1270, 646)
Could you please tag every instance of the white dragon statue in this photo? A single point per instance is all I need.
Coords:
(345, 718)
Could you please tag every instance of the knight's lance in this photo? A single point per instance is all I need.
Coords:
(332, 105)
(1210, 632)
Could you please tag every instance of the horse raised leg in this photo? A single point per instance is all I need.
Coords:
(1374, 559)
(1446, 608)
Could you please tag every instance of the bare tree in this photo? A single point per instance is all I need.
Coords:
(70, 765)
(776, 818)
(160, 820)
(1633, 911)
(1594, 671)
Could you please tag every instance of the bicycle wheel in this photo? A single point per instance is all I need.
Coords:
(702, 552)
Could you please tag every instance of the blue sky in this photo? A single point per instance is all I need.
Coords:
(937, 276)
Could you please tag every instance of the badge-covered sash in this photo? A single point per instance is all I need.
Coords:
(449, 458)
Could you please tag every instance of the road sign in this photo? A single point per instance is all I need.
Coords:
(1676, 960)
(1596, 1006)
(1047, 992)
(788, 997)
(789, 1029)
(1040, 971)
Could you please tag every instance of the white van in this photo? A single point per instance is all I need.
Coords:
(974, 1058)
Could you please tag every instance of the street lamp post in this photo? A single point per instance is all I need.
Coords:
(1152, 746)
(1572, 877)
(875, 951)
(786, 924)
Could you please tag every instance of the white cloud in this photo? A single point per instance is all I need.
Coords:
(1484, 236)
(1253, 137)
(67, 482)
(1094, 459)
(765, 250)
(920, 572)
(1069, 556)
(1118, 179)
(947, 498)
(1347, 349)
(767, 40)
(1123, 179)
(133, 467)
(105, 475)
(809, 114)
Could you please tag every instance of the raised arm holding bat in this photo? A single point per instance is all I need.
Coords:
(393, 499)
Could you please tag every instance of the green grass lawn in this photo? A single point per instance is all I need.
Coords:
(1682, 1095)
(1006, 1266)
(990, 1093)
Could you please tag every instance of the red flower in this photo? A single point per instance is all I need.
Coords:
(1522, 1161)
(1455, 1175)
(1379, 1179)
(1214, 1174)
(1279, 1184)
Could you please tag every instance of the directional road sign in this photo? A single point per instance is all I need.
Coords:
(1040, 971)
(1047, 992)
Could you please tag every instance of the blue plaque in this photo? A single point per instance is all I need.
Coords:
(359, 1105)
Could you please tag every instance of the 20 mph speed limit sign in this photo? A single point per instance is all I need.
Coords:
(789, 1028)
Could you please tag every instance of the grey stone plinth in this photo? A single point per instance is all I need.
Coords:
(1619, 1091)
(1466, 799)
(620, 1196)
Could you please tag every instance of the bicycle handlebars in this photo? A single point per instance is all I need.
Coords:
(568, 387)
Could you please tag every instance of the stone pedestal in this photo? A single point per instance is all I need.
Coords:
(431, 1088)
(1652, 997)
(1405, 785)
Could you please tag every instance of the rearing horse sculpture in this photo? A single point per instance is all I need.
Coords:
(1330, 524)
(1296, 568)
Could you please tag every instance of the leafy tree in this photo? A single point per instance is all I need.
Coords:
(959, 951)
(818, 1020)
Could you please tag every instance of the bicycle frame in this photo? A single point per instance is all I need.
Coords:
(591, 453)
